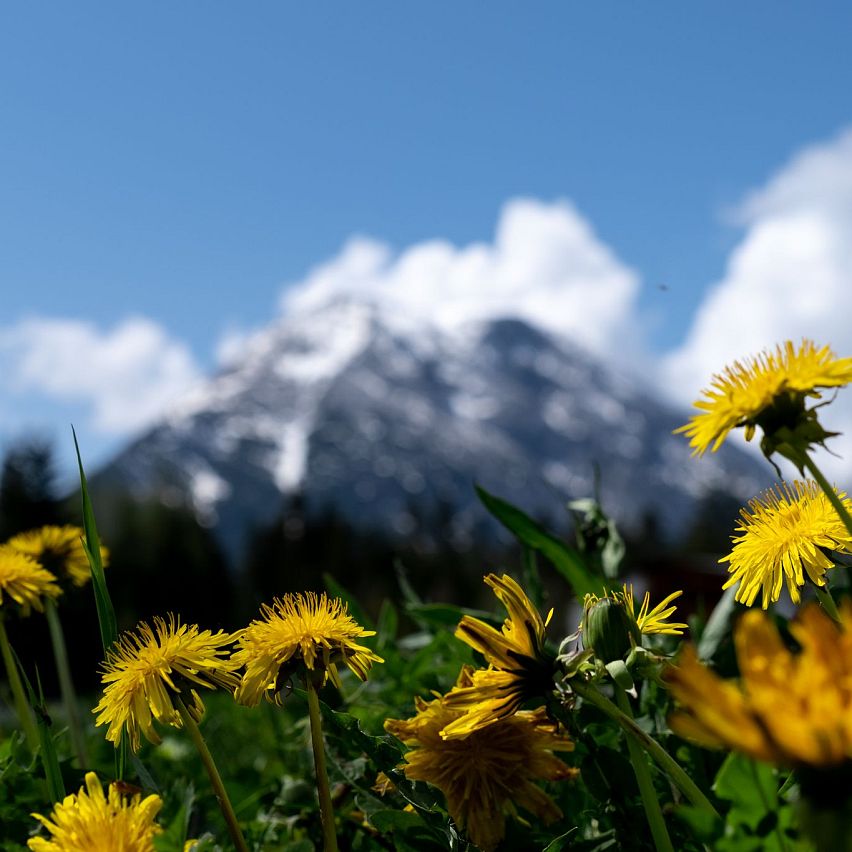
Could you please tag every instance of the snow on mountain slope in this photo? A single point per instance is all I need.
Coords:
(391, 421)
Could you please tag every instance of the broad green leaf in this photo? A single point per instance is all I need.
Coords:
(718, 625)
(565, 559)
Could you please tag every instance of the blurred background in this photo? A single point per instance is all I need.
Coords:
(302, 276)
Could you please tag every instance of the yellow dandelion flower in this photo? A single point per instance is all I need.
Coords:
(784, 535)
(59, 550)
(651, 621)
(485, 774)
(299, 630)
(769, 391)
(789, 708)
(520, 669)
(24, 580)
(89, 821)
(147, 669)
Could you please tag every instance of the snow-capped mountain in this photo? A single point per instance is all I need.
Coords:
(383, 419)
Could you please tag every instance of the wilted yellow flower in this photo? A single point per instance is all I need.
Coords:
(487, 773)
(146, 670)
(59, 550)
(767, 391)
(520, 668)
(792, 709)
(299, 630)
(88, 821)
(784, 532)
(24, 580)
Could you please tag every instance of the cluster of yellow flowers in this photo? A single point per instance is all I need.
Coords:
(790, 707)
(482, 743)
(34, 564)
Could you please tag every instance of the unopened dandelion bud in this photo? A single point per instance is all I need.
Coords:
(609, 629)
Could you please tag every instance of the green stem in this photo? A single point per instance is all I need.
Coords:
(823, 594)
(665, 761)
(650, 802)
(835, 501)
(66, 684)
(21, 704)
(213, 773)
(326, 808)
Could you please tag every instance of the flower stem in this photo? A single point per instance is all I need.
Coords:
(66, 684)
(835, 501)
(825, 598)
(653, 813)
(665, 761)
(213, 773)
(21, 704)
(326, 809)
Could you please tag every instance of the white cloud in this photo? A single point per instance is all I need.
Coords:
(790, 277)
(545, 264)
(126, 375)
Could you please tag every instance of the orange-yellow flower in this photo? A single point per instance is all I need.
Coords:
(520, 669)
(24, 581)
(485, 774)
(791, 708)
(59, 550)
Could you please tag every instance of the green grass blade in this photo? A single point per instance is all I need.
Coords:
(103, 602)
(565, 559)
(92, 545)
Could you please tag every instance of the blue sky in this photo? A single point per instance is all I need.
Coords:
(179, 163)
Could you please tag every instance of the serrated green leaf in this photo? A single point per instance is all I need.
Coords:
(565, 559)
(47, 750)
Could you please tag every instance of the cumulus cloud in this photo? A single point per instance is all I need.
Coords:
(545, 264)
(790, 276)
(126, 375)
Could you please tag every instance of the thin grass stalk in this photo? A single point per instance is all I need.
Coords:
(663, 759)
(215, 778)
(22, 707)
(323, 789)
(66, 684)
(653, 813)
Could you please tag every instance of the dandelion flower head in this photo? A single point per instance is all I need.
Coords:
(24, 581)
(308, 631)
(58, 549)
(485, 774)
(790, 708)
(148, 669)
(768, 390)
(520, 669)
(89, 821)
(784, 534)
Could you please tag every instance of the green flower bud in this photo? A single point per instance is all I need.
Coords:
(609, 629)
